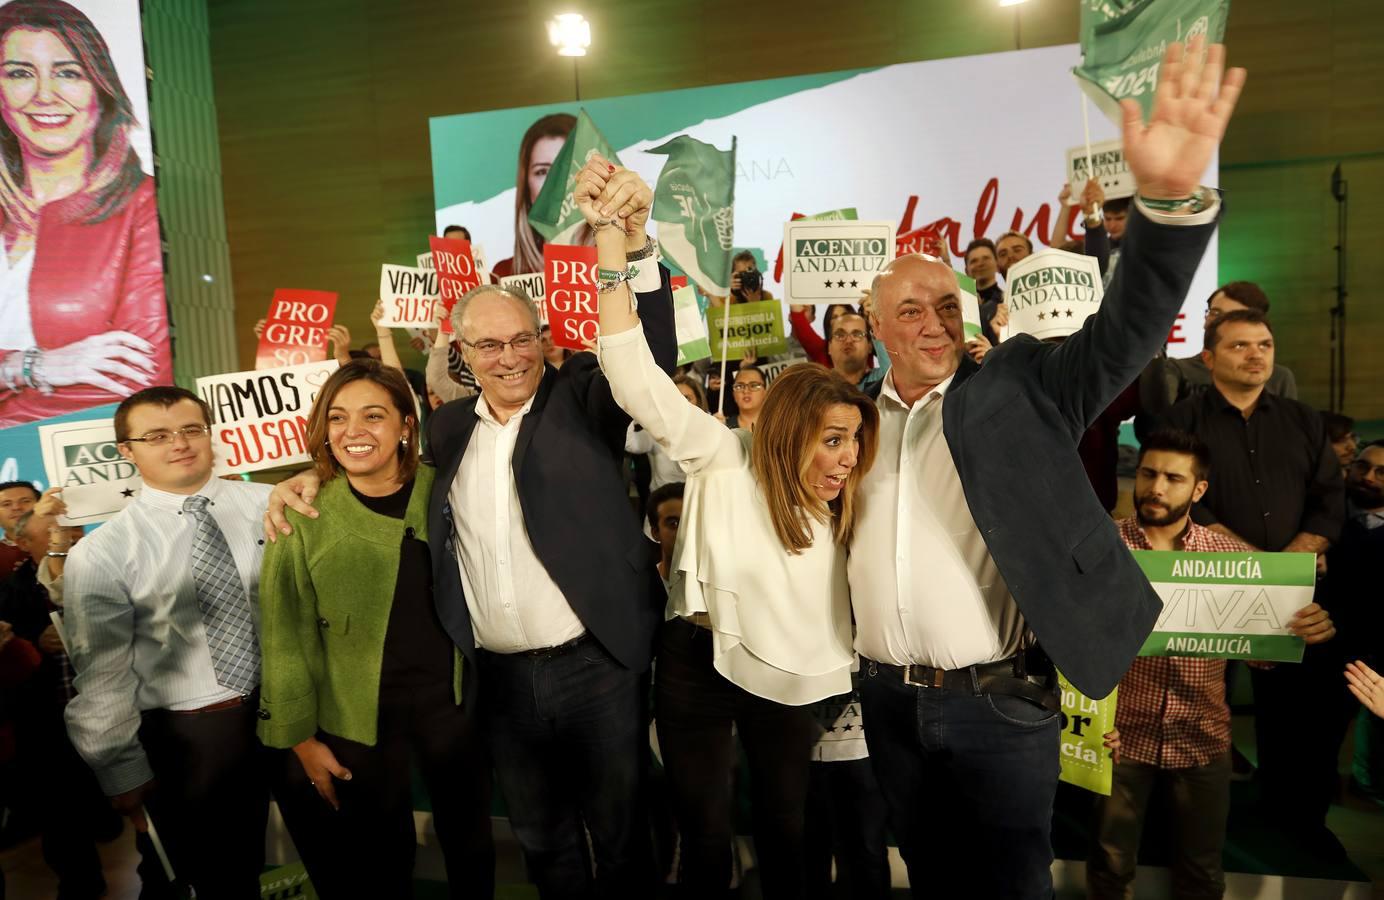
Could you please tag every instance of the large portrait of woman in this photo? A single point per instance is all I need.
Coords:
(82, 315)
(537, 150)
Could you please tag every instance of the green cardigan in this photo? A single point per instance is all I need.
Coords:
(325, 595)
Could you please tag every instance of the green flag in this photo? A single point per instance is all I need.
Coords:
(553, 214)
(1122, 45)
(694, 205)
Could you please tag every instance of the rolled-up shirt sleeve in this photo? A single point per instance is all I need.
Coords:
(103, 719)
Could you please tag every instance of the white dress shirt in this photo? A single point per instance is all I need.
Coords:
(16, 324)
(780, 621)
(923, 585)
(135, 631)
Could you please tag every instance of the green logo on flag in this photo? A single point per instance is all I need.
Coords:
(554, 214)
(694, 205)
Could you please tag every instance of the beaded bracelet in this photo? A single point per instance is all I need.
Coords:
(30, 357)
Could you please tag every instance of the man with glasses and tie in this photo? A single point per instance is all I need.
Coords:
(160, 620)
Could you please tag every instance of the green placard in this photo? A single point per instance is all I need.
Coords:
(1085, 722)
(691, 328)
(1228, 605)
(757, 326)
(287, 883)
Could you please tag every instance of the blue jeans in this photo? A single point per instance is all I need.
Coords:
(568, 735)
(969, 779)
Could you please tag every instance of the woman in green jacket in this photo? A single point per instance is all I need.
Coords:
(359, 675)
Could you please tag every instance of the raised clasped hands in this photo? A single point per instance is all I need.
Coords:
(611, 197)
(1194, 101)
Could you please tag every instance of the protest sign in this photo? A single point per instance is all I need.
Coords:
(409, 296)
(775, 369)
(83, 459)
(425, 261)
(753, 326)
(690, 327)
(833, 262)
(1085, 722)
(290, 882)
(1051, 293)
(1107, 159)
(970, 306)
(569, 275)
(1228, 605)
(533, 285)
(1122, 47)
(456, 271)
(259, 420)
(295, 331)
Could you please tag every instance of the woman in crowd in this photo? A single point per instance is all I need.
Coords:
(359, 676)
(664, 469)
(749, 388)
(759, 612)
(82, 316)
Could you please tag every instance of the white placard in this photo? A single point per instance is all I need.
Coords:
(82, 458)
(533, 285)
(260, 419)
(833, 262)
(1051, 293)
(410, 296)
(1107, 157)
(425, 261)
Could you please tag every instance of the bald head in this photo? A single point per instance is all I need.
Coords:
(917, 315)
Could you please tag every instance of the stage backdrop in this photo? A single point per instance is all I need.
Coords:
(981, 140)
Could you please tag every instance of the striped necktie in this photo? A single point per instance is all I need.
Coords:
(225, 608)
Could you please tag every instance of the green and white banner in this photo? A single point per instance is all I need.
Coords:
(690, 326)
(833, 261)
(1051, 293)
(753, 326)
(1122, 45)
(554, 214)
(1228, 605)
(1085, 722)
(970, 306)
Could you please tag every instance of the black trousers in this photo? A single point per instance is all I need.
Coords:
(847, 818)
(210, 803)
(367, 848)
(694, 708)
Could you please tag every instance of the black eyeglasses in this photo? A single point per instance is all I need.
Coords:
(159, 438)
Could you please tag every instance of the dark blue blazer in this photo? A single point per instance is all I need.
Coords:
(1013, 425)
(567, 464)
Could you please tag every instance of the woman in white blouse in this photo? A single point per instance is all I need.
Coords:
(759, 620)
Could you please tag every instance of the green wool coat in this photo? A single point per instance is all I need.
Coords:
(325, 595)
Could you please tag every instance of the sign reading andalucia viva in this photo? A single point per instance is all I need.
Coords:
(1051, 293)
(833, 262)
(1228, 605)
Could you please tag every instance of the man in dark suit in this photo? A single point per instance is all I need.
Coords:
(979, 531)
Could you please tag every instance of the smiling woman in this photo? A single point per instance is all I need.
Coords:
(82, 315)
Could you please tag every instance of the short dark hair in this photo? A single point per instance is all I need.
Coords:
(1246, 293)
(462, 228)
(829, 312)
(744, 254)
(1171, 440)
(164, 395)
(663, 493)
(1116, 205)
(11, 485)
(755, 369)
(978, 242)
(1337, 425)
(1021, 236)
(1249, 316)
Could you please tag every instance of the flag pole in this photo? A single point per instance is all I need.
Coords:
(1086, 131)
(730, 264)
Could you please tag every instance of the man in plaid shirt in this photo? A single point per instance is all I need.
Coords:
(1172, 720)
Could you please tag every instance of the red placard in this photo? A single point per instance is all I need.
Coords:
(456, 271)
(678, 281)
(570, 276)
(295, 331)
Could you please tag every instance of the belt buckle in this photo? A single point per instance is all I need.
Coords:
(935, 682)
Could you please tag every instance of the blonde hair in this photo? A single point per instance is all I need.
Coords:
(785, 437)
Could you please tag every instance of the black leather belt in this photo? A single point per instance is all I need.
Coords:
(559, 649)
(1006, 676)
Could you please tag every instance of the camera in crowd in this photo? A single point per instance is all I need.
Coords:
(751, 280)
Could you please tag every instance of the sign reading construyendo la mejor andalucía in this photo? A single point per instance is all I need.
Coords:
(1228, 605)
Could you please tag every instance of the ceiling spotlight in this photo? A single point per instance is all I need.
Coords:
(1012, 2)
(570, 33)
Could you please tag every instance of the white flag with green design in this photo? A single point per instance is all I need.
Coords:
(1228, 605)
(694, 206)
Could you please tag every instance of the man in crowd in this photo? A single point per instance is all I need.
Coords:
(546, 582)
(977, 532)
(665, 514)
(851, 351)
(981, 266)
(457, 232)
(1277, 488)
(1169, 381)
(1172, 716)
(16, 498)
(1010, 248)
(159, 616)
(1352, 577)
